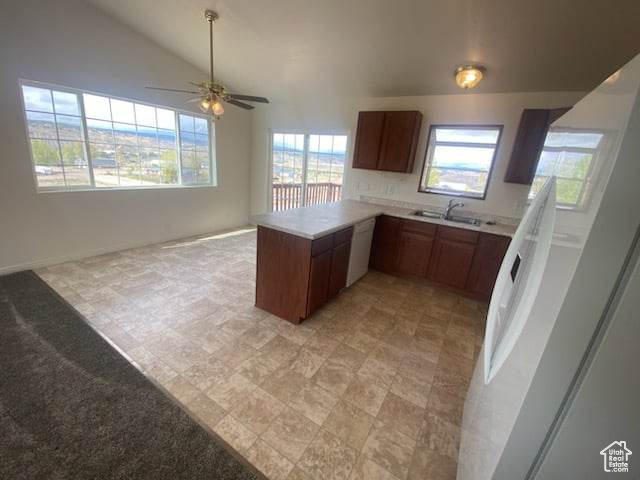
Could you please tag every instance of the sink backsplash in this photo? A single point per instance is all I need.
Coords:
(458, 211)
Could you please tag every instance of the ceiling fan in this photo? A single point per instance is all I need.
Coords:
(212, 94)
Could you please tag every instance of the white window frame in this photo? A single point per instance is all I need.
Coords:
(307, 134)
(213, 176)
(592, 177)
(423, 186)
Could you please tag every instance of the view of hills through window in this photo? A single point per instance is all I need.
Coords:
(307, 169)
(459, 160)
(82, 140)
(568, 154)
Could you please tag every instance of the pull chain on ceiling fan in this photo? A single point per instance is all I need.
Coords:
(212, 94)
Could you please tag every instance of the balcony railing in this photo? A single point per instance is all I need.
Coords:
(289, 195)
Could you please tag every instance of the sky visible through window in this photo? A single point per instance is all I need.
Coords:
(459, 160)
(569, 155)
(312, 166)
(128, 144)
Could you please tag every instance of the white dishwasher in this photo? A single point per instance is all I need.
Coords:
(360, 250)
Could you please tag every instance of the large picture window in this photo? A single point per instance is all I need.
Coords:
(83, 140)
(459, 159)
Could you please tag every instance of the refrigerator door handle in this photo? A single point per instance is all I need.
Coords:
(519, 279)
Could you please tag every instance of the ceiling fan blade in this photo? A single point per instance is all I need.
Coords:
(248, 98)
(246, 106)
(173, 90)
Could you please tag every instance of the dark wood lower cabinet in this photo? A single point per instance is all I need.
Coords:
(319, 281)
(451, 262)
(486, 262)
(414, 253)
(295, 276)
(463, 259)
(384, 250)
(282, 273)
(339, 268)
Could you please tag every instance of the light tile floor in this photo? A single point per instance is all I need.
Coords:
(371, 387)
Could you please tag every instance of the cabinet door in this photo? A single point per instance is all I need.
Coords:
(451, 262)
(339, 268)
(282, 273)
(532, 132)
(385, 243)
(414, 253)
(368, 138)
(318, 281)
(486, 263)
(399, 141)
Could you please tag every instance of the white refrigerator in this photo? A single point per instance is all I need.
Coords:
(555, 392)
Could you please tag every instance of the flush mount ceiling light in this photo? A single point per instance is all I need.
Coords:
(468, 76)
(212, 94)
(613, 78)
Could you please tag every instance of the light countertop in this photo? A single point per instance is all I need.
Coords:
(319, 220)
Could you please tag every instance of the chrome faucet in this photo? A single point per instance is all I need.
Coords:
(452, 204)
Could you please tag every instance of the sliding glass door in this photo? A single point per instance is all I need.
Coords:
(307, 169)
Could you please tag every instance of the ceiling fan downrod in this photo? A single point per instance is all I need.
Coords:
(210, 94)
(211, 17)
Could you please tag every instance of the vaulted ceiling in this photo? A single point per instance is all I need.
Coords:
(282, 48)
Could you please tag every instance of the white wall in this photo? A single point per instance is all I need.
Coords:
(71, 43)
(323, 115)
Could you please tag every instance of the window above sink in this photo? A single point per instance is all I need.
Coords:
(459, 160)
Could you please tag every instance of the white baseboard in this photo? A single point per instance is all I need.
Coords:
(45, 262)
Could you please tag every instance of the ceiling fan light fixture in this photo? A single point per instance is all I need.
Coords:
(216, 108)
(204, 105)
(468, 76)
(211, 94)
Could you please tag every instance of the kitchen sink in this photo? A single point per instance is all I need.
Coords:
(467, 220)
(428, 214)
(452, 218)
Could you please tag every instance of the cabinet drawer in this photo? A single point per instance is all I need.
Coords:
(321, 244)
(457, 234)
(342, 236)
(422, 228)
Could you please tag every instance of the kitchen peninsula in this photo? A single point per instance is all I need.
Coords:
(303, 254)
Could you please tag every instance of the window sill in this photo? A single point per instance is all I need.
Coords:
(121, 189)
(453, 194)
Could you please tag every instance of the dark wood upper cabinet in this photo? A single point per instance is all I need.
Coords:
(490, 251)
(532, 131)
(368, 140)
(385, 243)
(387, 140)
(556, 113)
(399, 141)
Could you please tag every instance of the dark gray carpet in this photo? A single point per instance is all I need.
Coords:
(72, 407)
